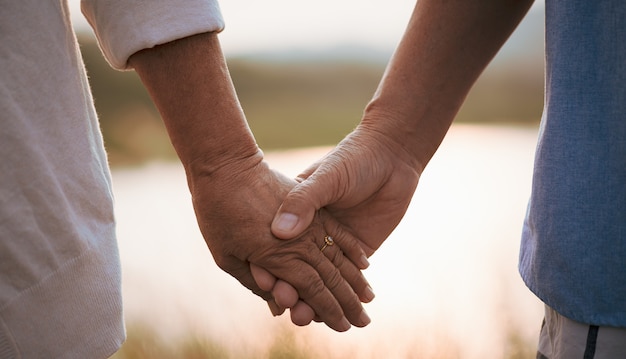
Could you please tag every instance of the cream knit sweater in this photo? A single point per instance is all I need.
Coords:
(60, 293)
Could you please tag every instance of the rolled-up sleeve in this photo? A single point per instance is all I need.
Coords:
(124, 27)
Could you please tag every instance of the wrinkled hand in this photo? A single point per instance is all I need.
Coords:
(234, 205)
(234, 193)
(366, 183)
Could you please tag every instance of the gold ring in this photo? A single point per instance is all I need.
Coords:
(328, 241)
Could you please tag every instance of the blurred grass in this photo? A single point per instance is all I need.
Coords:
(143, 343)
(293, 103)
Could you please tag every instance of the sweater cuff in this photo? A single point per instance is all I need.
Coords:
(126, 27)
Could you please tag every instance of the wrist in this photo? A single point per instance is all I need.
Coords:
(415, 124)
(389, 127)
(222, 170)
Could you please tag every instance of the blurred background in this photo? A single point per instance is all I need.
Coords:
(446, 280)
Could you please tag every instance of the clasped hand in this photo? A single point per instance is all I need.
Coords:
(235, 205)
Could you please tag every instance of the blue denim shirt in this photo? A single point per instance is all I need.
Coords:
(573, 253)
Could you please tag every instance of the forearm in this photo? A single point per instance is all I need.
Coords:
(445, 48)
(189, 82)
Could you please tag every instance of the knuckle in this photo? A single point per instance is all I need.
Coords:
(335, 281)
(321, 300)
(337, 257)
(312, 289)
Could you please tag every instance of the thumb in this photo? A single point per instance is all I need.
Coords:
(298, 208)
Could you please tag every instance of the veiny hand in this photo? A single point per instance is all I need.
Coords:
(234, 205)
(366, 183)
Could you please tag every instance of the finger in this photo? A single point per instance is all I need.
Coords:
(339, 288)
(275, 308)
(301, 314)
(299, 206)
(343, 244)
(339, 275)
(320, 283)
(322, 295)
(349, 244)
(358, 284)
(241, 271)
(332, 249)
(350, 273)
(264, 279)
(284, 294)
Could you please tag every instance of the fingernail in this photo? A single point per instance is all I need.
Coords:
(365, 319)
(364, 262)
(286, 222)
(369, 294)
